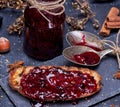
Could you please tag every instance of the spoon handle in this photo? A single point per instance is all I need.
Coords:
(105, 52)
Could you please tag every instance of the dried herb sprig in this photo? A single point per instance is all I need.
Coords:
(76, 23)
(3, 3)
(85, 9)
(16, 4)
(18, 25)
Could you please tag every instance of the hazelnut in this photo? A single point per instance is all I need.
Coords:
(4, 45)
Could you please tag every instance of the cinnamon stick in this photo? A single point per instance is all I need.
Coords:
(112, 25)
(106, 31)
(113, 19)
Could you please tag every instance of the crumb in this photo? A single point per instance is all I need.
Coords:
(1, 96)
(88, 101)
(114, 105)
(2, 75)
(18, 49)
(47, 106)
(104, 104)
(7, 61)
(14, 44)
(117, 75)
(102, 95)
(112, 79)
(106, 79)
(116, 100)
(11, 15)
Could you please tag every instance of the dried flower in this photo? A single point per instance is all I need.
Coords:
(75, 6)
(16, 4)
(17, 26)
(3, 3)
(85, 9)
(95, 23)
(76, 23)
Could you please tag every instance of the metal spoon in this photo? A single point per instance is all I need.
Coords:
(69, 53)
(76, 37)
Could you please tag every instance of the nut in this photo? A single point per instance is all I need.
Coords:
(4, 45)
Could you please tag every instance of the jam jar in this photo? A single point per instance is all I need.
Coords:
(43, 37)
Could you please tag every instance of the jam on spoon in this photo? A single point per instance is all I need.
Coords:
(87, 58)
(83, 38)
(84, 55)
(84, 43)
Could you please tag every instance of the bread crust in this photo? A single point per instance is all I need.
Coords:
(15, 76)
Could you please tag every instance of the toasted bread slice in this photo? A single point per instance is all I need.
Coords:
(51, 83)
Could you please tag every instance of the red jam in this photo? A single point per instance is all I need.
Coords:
(43, 40)
(84, 43)
(87, 58)
(56, 84)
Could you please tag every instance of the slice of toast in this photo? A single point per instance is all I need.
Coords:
(53, 83)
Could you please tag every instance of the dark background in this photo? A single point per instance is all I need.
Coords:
(106, 68)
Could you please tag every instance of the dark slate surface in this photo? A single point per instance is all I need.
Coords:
(107, 67)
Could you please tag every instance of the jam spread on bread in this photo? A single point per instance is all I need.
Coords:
(56, 84)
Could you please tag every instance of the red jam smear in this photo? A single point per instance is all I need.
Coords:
(56, 84)
(87, 58)
(84, 43)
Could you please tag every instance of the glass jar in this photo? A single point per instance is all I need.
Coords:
(43, 38)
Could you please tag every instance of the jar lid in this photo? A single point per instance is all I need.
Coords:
(47, 6)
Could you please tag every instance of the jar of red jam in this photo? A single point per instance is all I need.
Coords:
(44, 22)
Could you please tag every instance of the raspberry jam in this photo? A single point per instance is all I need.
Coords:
(87, 58)
(56, 84)
(83, 42)
(43, 40)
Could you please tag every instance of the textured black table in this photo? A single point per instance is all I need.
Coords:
(17, 53)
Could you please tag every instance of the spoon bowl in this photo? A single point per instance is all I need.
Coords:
(83, 38)
(70, 53)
